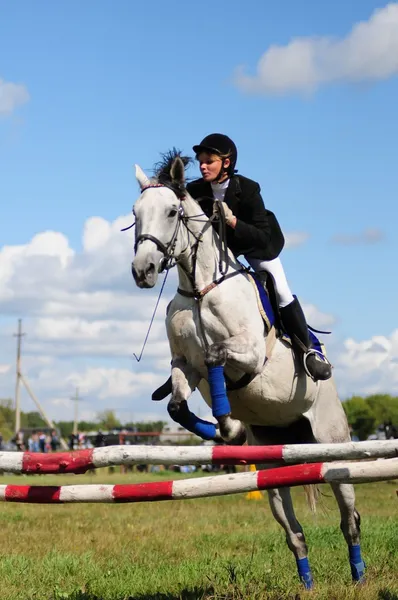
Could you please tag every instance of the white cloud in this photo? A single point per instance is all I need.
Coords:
(369, 366)
(97, 233)
(84, 319)
(296, 238)
(112, 383)
(369, 236)
(368, 53)
(316, 318)
(107, 338)
(11, 96)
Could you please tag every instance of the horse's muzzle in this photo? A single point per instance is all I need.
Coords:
(145, 278)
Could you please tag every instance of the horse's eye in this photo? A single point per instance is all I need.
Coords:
(173, 212)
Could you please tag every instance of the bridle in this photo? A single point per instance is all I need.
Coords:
(169, 260)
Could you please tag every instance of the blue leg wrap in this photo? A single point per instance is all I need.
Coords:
(304, 571)
(203, 429)
(219, 399)
(356, 563)
(191, 422)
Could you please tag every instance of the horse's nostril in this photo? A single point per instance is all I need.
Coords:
(144, 277)
(150, 269)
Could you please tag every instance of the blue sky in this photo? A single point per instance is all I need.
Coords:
(111, 84)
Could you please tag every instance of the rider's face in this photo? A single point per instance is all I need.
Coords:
(210, 165)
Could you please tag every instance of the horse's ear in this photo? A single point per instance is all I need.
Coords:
(177, 172)
(141, 177)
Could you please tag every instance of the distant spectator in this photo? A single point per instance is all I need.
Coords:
(142, 468)
(54, 441)
(99, 439)
(229, 469)
(72, 439)
(48, 442)
(19, 441)
(33, 442)
(42, 441)
(390, 430)
(1, 441)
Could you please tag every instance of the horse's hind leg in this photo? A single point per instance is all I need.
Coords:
(281, 505)
(350, 526)
(329, 425)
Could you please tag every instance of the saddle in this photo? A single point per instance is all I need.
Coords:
(267, 301)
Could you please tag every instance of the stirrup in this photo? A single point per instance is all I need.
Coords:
(310, 352)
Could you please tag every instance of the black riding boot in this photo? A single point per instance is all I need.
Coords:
(295, 325)
(163, 391)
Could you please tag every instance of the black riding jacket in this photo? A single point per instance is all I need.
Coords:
(257, 233)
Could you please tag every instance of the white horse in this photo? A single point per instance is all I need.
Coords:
(213, 323)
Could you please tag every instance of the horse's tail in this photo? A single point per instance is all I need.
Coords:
(312, 493)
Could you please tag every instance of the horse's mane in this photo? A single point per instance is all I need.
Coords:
(162, 170)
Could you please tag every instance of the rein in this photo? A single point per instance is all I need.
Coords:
(168, 249)
(170, 261)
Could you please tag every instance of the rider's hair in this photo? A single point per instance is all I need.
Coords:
(214, 155)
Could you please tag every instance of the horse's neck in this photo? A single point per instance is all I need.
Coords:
(207, 255)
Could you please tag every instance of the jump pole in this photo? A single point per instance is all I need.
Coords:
(203, 487)
(81, 461)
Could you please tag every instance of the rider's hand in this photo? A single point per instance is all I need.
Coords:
(230, 218)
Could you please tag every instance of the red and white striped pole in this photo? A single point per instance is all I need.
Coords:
(84, 460)
(315, 473)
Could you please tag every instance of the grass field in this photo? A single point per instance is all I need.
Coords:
(225, 548)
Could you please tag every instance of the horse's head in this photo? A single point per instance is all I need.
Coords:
(158, 213)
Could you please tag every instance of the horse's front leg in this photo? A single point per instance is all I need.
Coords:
(185, 378)
(241, 352)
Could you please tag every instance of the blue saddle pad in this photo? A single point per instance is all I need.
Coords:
(268, 315)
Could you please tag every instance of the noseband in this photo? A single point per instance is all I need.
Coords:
(166, 249)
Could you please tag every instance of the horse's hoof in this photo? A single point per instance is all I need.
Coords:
(359, 582)
(233, 432)
(239, 440)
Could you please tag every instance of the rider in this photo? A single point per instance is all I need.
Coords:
(254, 232)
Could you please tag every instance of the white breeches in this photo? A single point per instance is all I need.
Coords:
(275, 268)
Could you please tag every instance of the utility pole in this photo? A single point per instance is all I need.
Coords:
(36, 401)
(19, 337)
(76, 400)
(22, 379)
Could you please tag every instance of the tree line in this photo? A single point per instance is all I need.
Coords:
(364, 415)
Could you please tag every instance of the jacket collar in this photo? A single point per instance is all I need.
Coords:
(231, 195)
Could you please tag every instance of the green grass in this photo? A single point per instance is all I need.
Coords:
(226, 548)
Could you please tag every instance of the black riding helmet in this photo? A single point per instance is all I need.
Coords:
(223, 146)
